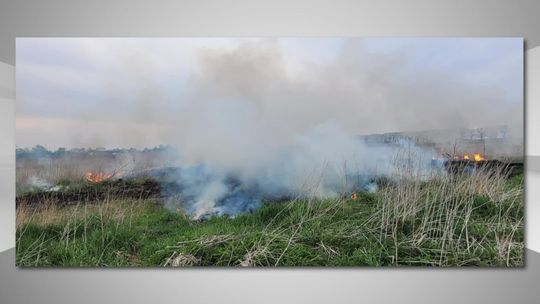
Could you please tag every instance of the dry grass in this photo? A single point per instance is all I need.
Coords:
(116, 209)
(439, 213)
(421, 217)
(181, 260)
(46, 172)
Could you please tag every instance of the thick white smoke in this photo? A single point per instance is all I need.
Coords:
(295, 131)
(284, 125)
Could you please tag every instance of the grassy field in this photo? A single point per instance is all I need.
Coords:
(465, 220)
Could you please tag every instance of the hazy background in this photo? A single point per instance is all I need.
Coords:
(204, 94)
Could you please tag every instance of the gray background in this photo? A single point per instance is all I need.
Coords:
(271, 18)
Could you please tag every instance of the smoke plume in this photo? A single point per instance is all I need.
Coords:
(250, 122)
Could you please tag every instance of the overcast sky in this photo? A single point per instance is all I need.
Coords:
(137, 92)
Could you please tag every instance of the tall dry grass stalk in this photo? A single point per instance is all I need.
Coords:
(50, 213)
(76, 224)
(437, 214)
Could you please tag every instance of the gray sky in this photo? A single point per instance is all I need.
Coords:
(137, 92)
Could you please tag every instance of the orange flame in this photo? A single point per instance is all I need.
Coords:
(466, 157)
(478, 157)
(354, 196)
(97, 177)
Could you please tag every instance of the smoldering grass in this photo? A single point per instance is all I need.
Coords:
(444, 220)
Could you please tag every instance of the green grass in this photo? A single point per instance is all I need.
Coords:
(433, 223)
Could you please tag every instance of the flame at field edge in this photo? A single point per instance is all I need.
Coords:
(97, 177)
(478, 157)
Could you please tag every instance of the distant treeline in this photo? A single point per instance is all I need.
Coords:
(40, 151)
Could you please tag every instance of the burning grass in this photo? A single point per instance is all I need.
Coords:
(46, 172)
(455, 220)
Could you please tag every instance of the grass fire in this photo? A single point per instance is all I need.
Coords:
(248, 152)
(151, 216)
(97, 177)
